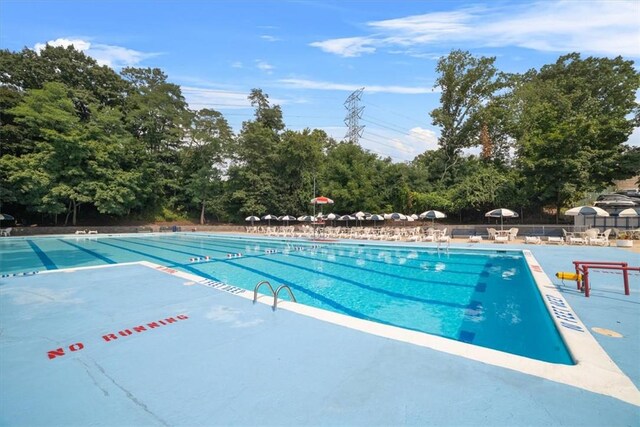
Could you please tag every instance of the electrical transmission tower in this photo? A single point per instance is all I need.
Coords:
(354, 112)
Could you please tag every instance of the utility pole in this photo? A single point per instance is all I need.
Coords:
(354, 113)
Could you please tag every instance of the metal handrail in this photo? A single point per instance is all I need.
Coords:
(275, 296)
(255, 290)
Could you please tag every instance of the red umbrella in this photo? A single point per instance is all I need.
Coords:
(321, 200)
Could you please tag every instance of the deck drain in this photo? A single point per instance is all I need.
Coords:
(607, 332)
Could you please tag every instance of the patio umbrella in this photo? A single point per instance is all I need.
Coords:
(415, 217)
(347, 218)
(432, 215)
(397, 216)
(253, 219)
(587, 211)
(287, 218)
(321, 200)
(6, 217)
(593, 211)
(332, 217)
(501, 213)
(306, 218)
(628, 213)
(375, 218)
(269, 217)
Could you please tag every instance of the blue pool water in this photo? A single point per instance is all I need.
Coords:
(486, 298)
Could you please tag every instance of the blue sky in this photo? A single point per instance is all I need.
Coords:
(308, 56)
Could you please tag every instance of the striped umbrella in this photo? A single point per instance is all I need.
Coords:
(501, 213)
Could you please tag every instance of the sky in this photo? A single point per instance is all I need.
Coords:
(309, 56)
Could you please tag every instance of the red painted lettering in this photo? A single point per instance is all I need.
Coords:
(160, 321)
(153, 325)
(170, 320)
(77, 346)
(55, 353)
(109, 337)
(139, 328)
(125, 333)
(182, 316)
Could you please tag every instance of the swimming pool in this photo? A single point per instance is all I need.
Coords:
(486, 298)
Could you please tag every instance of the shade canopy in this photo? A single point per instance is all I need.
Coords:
(586, 211)
(347, 218)
(431, 214)
(331, 216)
(252, 218)
(376, 218)
(397, 216)
(414, 216)
(321, 200)
(629, 212)
(6, 217)
(501, 213)
(287, 218)
(306, 218)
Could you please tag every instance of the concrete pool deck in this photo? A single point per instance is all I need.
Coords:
(224, 361)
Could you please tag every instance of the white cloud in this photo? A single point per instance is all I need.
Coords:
(599, 27)
(104, 54)
(236, 64)
(270, 38)
(218, 99)
(264, 66)
(199, 98)
(350, 46)
(320, 85)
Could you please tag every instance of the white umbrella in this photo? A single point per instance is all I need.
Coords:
(432, 215)
(587, 211)
(306, 218)
(501, 213)
(269, 217)
(7, 217)
(253, 219)
(347, 218)
(397, 216)
(287, 218)
(331, 216)
(628, 213)
(415, 217)
(410, 219)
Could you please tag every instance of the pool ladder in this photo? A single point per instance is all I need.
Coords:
(275, 293)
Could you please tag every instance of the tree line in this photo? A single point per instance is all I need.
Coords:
(80, 140)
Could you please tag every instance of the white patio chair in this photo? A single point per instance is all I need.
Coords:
(6, 232)
(475, 239)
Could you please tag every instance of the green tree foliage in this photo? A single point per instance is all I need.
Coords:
(209, 140)
(467, 84)
(573, 120)
(77, 137)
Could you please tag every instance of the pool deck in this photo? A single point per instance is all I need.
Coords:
(72, 353)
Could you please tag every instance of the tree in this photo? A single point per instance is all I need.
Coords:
(209, 139)
(573, 120)
(467, 84)
(157, 116)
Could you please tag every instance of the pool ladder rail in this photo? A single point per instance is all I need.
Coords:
(275, 293)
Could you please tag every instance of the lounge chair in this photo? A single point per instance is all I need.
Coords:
(533, 240)
(501, 239)
(475, 239)
(551, 240)
(6, 232)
